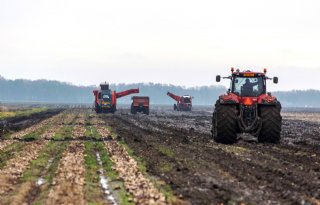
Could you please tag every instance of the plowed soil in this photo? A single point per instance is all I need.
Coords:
(178, 149)
(167, 149)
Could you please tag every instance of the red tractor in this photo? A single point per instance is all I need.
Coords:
(184, 103)
(247, 108)
(106, 99)
(140, 104)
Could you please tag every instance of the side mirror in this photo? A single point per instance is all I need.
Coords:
(275, 80)
(218, 78)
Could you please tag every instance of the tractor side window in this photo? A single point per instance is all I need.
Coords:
(99, 96)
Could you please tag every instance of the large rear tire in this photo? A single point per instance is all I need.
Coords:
(224, 124)
(271, 124)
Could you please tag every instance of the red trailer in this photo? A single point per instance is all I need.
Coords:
(184, 103)
(106, 99)
(140, 104)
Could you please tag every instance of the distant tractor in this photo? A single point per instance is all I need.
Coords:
(106, 99)
(184, 103)
(140, 104)
(247, 108)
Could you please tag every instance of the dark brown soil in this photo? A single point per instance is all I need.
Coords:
(178, 148)
(19, 123)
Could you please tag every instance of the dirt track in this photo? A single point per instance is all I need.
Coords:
(178, 152)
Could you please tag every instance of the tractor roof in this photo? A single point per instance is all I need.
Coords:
(248, 73)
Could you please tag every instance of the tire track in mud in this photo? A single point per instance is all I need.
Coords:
(135, 182)
(252, 173)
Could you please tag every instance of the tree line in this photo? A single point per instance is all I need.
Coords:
(47, 91)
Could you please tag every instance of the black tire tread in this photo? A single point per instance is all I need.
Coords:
(271, 124)
(225, 119)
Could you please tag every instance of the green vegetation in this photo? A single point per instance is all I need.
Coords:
(142, 165)
(53, 151)
(64, 133)
(93, 188)
(36, 134)
(166, 151)
(91, 132)
(165, 167)
(39, 168)
(21, 113)
(9, 152)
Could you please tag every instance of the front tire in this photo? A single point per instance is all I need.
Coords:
(224, 124)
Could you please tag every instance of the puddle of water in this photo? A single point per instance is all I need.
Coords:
(40, 181)
(104, 182)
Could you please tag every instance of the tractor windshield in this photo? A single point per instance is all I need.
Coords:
(106, 96)
(186, 100)
(248, 86)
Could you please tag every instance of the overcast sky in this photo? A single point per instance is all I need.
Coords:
(169, 41)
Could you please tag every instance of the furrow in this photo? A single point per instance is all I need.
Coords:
(68, 185)
(135, 182)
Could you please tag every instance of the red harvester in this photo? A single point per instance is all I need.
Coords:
(106, 99)
(184, 103)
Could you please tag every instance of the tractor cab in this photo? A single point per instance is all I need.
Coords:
(105, 95)
(248, 84)
(186, 99)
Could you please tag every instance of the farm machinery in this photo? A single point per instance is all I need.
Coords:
(140, 104)
(184, 103)
(247, 107)
(106, 99)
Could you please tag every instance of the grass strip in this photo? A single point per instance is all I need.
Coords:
(93, 190)
(21, 113)
(65, 133)
(9, 152)
(38, 168)
(36, 134)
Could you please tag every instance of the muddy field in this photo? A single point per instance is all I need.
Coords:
(73, 156)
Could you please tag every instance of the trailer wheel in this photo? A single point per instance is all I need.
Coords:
(113, 109)
(133, 110)
(146, 111)
(271, 124)
(224, 124)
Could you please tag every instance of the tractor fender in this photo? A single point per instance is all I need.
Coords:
(229, 99)
(267, 99)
